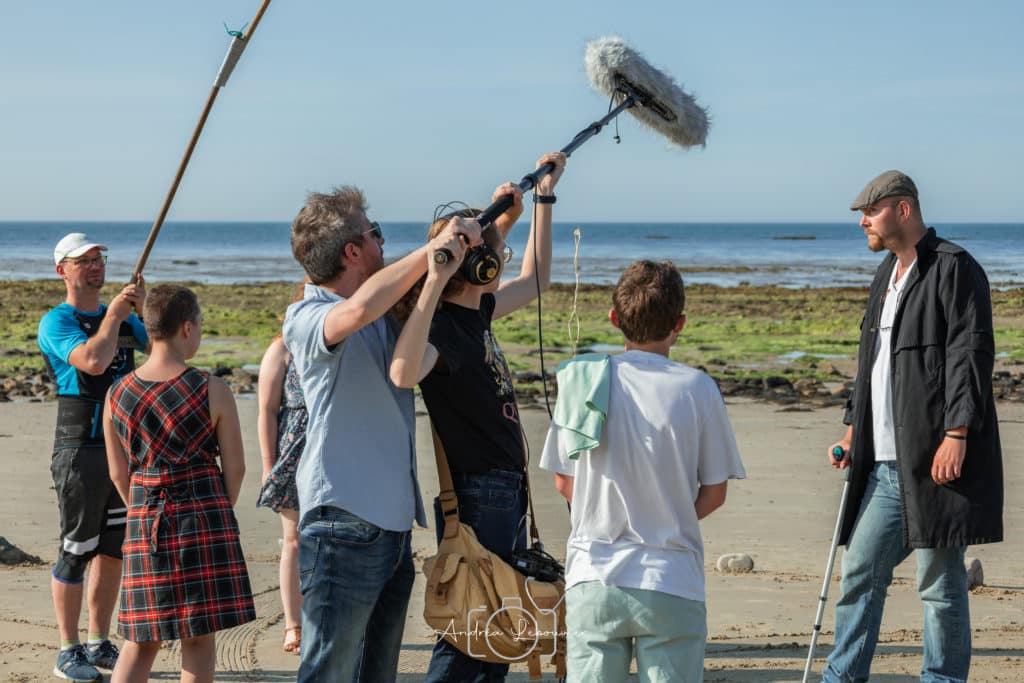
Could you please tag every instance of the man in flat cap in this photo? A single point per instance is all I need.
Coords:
(923, 440)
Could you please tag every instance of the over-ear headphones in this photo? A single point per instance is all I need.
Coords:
(481, 264)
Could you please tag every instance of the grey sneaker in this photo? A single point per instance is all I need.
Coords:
(73, 665)
(103, 655)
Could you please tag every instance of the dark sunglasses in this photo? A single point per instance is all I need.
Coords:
(375, 230)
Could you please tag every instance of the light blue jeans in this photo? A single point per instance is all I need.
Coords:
(874, 550)
(606, 625)
(356, 579)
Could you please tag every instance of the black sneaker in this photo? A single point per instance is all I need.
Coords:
(73, 665)
(103, 655)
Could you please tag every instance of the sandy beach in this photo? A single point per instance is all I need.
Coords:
(759, 623)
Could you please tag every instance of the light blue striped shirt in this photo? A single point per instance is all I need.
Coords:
(360, 452)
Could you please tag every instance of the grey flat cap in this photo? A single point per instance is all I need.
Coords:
(888, 184)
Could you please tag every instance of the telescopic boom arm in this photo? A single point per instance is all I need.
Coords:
(631, 98)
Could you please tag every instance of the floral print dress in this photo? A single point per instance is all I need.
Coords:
(278, 491)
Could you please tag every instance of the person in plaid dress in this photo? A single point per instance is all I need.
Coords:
(184, 576)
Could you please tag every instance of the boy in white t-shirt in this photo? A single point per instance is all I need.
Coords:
(635, 560)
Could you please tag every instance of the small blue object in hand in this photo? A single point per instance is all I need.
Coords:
(837, 452)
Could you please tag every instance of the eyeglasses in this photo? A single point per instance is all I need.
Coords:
(374, 230)
(506, 253)
(100, 260)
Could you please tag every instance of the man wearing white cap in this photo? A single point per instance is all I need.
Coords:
(87, 346)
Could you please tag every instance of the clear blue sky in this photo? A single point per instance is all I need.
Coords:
(423, 102)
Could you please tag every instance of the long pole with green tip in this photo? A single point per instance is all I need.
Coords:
(235, 49)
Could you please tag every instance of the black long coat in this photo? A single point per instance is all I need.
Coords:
(942, 357)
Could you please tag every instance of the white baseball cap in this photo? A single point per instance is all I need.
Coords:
(73, 246)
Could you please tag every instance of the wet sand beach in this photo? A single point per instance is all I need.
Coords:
(759, 623)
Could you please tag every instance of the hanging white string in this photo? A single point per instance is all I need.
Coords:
(574, 317)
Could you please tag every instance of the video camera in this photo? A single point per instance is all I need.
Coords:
(538, 564)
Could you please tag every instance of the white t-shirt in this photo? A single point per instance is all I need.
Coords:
(881, 370)
(633, 521)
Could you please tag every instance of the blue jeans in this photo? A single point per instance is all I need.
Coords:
(494, 505)
(874, 550)
(356, 579)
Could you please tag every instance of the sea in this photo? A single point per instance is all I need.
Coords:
(792, 255)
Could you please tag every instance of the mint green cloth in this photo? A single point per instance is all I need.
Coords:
(583, 387)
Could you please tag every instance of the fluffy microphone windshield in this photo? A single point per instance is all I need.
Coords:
(663, 105)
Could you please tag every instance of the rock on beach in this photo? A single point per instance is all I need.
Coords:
(975, 573)
(11, 554)
(735, 563)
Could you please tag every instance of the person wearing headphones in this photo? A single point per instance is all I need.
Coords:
(447, 346)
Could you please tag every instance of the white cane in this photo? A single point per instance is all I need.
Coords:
(837, 452)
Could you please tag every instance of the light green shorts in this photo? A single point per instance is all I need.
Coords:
(608, 625)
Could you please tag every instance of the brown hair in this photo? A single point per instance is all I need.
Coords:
(403, 309)
(648, 300)
(322, 229)
(167, 308)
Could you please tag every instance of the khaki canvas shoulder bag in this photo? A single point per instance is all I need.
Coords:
(482, 605)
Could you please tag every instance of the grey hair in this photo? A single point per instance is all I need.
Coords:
(322, 229)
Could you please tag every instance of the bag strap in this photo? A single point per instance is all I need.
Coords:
(449, 502)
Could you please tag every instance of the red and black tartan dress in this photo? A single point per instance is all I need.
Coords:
(183, 574)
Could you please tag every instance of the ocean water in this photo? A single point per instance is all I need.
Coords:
(725, 254)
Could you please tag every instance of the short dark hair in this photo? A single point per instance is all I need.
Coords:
(648, 300)
(167, 308)
(322, 229)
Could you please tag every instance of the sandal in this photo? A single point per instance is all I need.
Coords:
(292, 639)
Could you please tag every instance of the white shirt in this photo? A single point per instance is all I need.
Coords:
(633, 521)
(881, 370)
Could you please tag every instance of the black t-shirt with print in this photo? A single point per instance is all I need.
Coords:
(469, 394)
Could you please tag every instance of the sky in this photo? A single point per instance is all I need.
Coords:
(420, 103)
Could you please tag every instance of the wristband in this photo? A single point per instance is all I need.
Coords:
(544, 198)
(958, 437)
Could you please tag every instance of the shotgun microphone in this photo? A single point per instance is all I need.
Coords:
(661, 104)
(653, 97)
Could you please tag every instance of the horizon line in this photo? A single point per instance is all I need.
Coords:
(124, 221)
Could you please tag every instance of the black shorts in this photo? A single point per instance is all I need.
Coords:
(92, 514)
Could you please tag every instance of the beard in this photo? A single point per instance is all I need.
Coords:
(875, 242)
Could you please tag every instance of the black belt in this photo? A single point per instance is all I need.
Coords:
(79, 422)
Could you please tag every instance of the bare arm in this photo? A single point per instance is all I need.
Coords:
(563, 484)
(381, 291)
(94, 356)
(507, 220)
(273, 369)
(536, 268)
(414, 356)
(710, 498)
(117, 459)
(224, 413)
